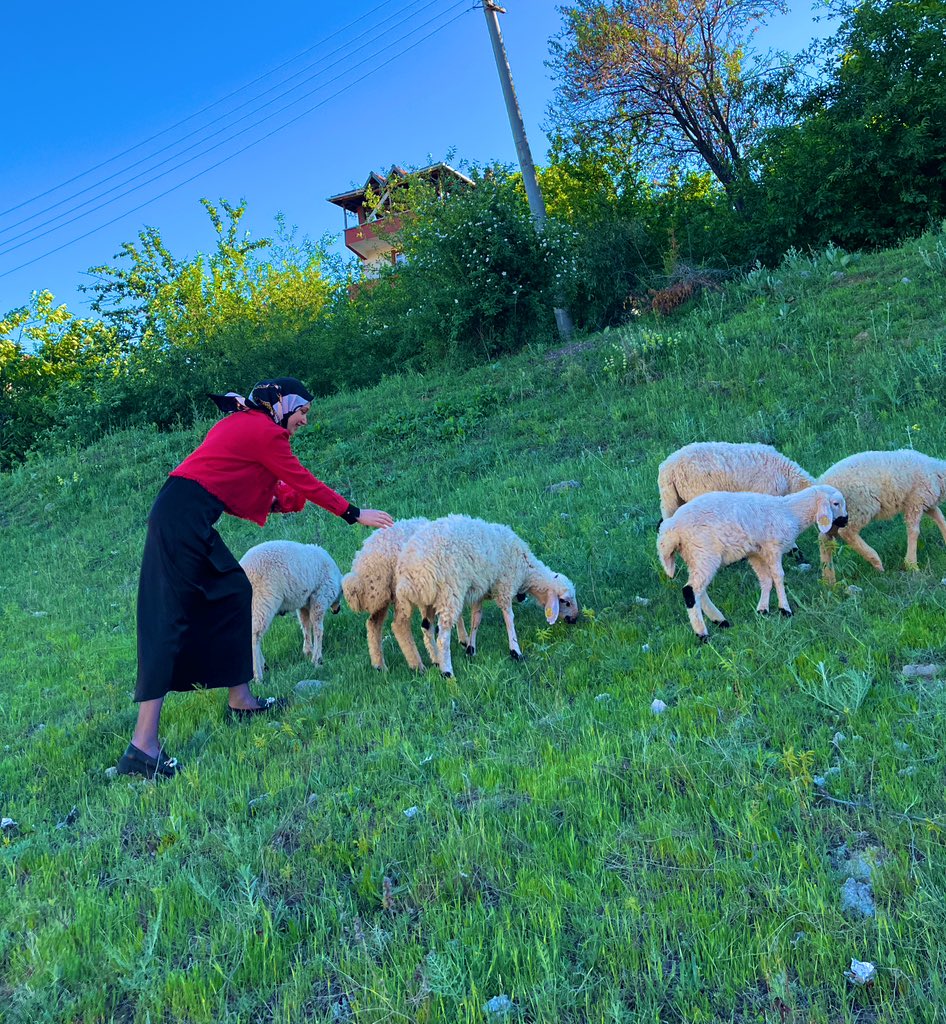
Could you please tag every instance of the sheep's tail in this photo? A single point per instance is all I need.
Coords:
(668, 543)
(670, 500)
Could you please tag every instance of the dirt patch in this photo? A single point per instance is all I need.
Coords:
(567, 351)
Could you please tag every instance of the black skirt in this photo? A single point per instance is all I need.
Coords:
(194, 599)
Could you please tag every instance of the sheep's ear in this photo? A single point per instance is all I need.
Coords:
(551, 607)
(824, 518)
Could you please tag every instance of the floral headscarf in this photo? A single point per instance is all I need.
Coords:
(278, 398)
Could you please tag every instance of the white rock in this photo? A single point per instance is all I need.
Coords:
(861, 973)
(658, 707)
(498, 1005)
(309, 686)
(920, 671)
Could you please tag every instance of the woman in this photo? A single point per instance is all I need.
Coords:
(194, 600)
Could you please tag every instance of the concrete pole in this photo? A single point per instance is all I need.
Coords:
(536, 202)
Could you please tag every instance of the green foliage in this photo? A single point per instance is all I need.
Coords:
(211, 322)
(167, 331)
(865, 164)
(606, 217)
(53, 364)
(478, 280)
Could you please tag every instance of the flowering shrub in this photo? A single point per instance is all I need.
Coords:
(477, 280)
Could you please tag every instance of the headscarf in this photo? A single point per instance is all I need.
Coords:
(278, 398)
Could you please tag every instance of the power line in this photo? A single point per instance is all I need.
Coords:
(190, 117)
(250, 145)
(79, 216)
(195, 131)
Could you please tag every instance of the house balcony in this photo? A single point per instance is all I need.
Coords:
(372, 240)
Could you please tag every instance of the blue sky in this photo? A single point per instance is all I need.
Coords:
(82, 84)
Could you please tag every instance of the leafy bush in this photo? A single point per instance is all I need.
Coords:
(478, 280)
(865, 164)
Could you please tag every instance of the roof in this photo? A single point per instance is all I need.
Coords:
(353, 199)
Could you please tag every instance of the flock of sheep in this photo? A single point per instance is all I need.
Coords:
(720, 503)
(439, 566)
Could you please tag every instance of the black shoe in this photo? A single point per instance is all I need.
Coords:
(137, 762)
(266, 705)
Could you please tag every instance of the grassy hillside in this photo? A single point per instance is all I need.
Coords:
(571, 850)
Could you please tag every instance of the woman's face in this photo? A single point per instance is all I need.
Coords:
(298, 419)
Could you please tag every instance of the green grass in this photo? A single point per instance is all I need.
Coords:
(589, 859)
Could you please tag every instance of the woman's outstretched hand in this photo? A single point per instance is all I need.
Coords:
(372, 517)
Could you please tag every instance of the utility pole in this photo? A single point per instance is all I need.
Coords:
(536, 202)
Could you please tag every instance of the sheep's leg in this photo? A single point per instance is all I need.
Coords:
(826, 546)
(401, 627)
(446, 620)
(427, 632)
(312, 630)
(700, 577)
(912, 517)
(937, 517)
(710, 609)
(693, 599)
(262, 619)
(778, 577)
(761, 569)
(855, 542)
(303, 615)
(375, 627)
(476, 616)
(505, 605)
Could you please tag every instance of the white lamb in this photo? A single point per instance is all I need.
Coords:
(369, 587)
(708, 466)
(881, 485)
(720, 528)
(291, 577)
(455, 561)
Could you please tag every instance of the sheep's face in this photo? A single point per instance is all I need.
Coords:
(831, 510)
(559, 600)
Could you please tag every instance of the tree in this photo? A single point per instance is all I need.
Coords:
(671, 73)
(47, 354)
(214, 320)
(865, 164)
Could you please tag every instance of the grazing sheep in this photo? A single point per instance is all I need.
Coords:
(720, 466)
(288, 577)
(455, 561)
(369, 587)
(720, 528)
(881, 485)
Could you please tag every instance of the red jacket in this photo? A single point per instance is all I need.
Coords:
(245, 461)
